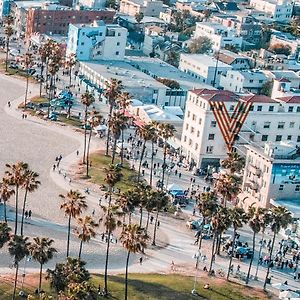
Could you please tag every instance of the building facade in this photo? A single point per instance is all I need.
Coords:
(147, 7)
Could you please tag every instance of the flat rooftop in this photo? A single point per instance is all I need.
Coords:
(203, 59)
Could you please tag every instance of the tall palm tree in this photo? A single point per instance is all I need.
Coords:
(256, 220)
(30, 184)
(87, 99)
(128, 201)
(5, 231)
(18, 248)
(238, 217)
(41, 251)
(114, 88)
(15, 176)
(73, 205)
(281, 217)
(70, 62)
(233, 162)
(153, 140)
(165, 131)
(134, 240)
(5, 193)
(150, 204)
(28, 60)
(8, 30)
(162, 201)
(85, 231)
(93, 121)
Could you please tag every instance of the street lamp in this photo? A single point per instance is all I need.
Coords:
(27, 259)
(197, 257)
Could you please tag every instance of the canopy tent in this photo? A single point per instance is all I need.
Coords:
(281, 286)
(101, 127)
(175, 190)
(287, 295)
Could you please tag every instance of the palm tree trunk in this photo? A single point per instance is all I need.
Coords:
(50, 94)
(126, 275)
(122, 146)
(80, 249)
(6, 55)
(16, 214)
(23, 210)
(41, 82)
(69, 233)
(151, 163)
(129, 218)
(147, 224)
(252, 257)
(164, 167)
(212, 253)
(114, 151)
(108, 130)
(271, 252)
(5, 213)
(88, 153)
(106, 264)
(141, 216)
(40, 281)
(155, 228)
(26, 90)
(70, 78)
(231, 254)
(141, 160)
(16, 279)
(85, 124)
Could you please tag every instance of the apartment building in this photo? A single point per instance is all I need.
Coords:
(150, 8)
(268, 121)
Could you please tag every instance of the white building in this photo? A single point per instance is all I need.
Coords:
(150, 8)
(204, 68)
(95, 4)
(268, 121)
(271, 174)
(237, 61)
(219, 35)
(279, 10)
(97, 41)
(243, 81)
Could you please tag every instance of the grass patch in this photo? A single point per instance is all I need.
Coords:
(100, 161)
(38, 99)
(156, 286)
(70, 121)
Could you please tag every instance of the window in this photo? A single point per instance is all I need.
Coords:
(190, 142)
(298, 108)
(186, 126)
(198, 133)
(194, 117)
(264, 137)
(271, 108)
(281, 187)
(189, 114)
(280, 125)
(260, 81)
(213, 124)
(184, 138)
(119, 33)
(118, 43)
(192, 129)
(209, 149)
(196, 146)
(278, 138)
(267, 124)
(291, 108)
(259, 108)
(289, 137)
(292, 124)
(298, 138)
(200, 121)
(231, 108)
(82, 43)
(297, 189)
(211, 137)
(117, 52)
(251, 108)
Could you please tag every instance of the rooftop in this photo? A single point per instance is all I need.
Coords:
(250, 74)
(203, 59)
(290, 99)
(145, 20)
(229, 57)
(285, 74)
(29, 4)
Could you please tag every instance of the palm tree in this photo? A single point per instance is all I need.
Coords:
(70, 62)
(15, 177)
(94, 121)
(85, 231)
(5, 193)
(233, 162)
(30, 184)
(134, 240)
(153, 140)
(256, 221)
(280, 218)
(165, 131)
(41, 251)
(128, 201)
(18, 248)
(8, 30)
(150, 204)
(72, 206)
(238, 217)
(87, 99)
(28, 59)
(162, 201)
(4, 234)
(112, 92)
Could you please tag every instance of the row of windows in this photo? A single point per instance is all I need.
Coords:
(209, 149)
(278, 138)
(272, 107)
(280, 125)
(297, 188)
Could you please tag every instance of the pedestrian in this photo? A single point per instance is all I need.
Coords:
(143, 172)
(29, 214)
(194, 212)
(151, 219)
(77, 152)
(54, 167)
(8, 103)
(70, 180)
(158, 223)
(99, 201)
(65, 175)
(26, 214)
(172, 266)
(179, 175)
(141, 260)
(176, 172)
(93, 212)
(102, 236)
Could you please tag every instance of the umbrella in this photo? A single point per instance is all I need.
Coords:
(288, 295)
(281, 286)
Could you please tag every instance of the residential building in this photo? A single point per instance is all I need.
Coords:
(204, 68)
(269, 120)
(4, 8)
(55, 19)
(291, 76)
(220, 35)
(236, 61)
(97, 41)
(279, 10)
(271, 174)
(282, 87)
(222, 6)
(150, 8)
(243, 81)
(95, 4)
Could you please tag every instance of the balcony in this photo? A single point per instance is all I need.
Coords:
(252, 185)
(254, 170)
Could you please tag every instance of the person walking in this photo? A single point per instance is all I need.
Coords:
(29, 214)
(26, 214)
(151, 219)
(141, 260)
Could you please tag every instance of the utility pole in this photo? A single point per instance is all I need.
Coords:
(216, 68)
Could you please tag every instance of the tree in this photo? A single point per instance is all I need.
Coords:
(81, 291)
(134, 240)
(231, 48)
(8, 30)
(266, 88)
(70, 62)
(237, 217)
(153, 140)
(30, 184)
(5, 193)
(200, 45)
(5, 231)
(87, 99)
(128, 201)
(139, 17)
(281, 49)
(18, 249)
(15, 176)
(150, 204)
(280, 218)
(85, 231)
(28, 60)
(173, 58)
(172, 84)
(233, 162)
(114, 88)
(72, 206)
(41, 251)
(111, 4)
